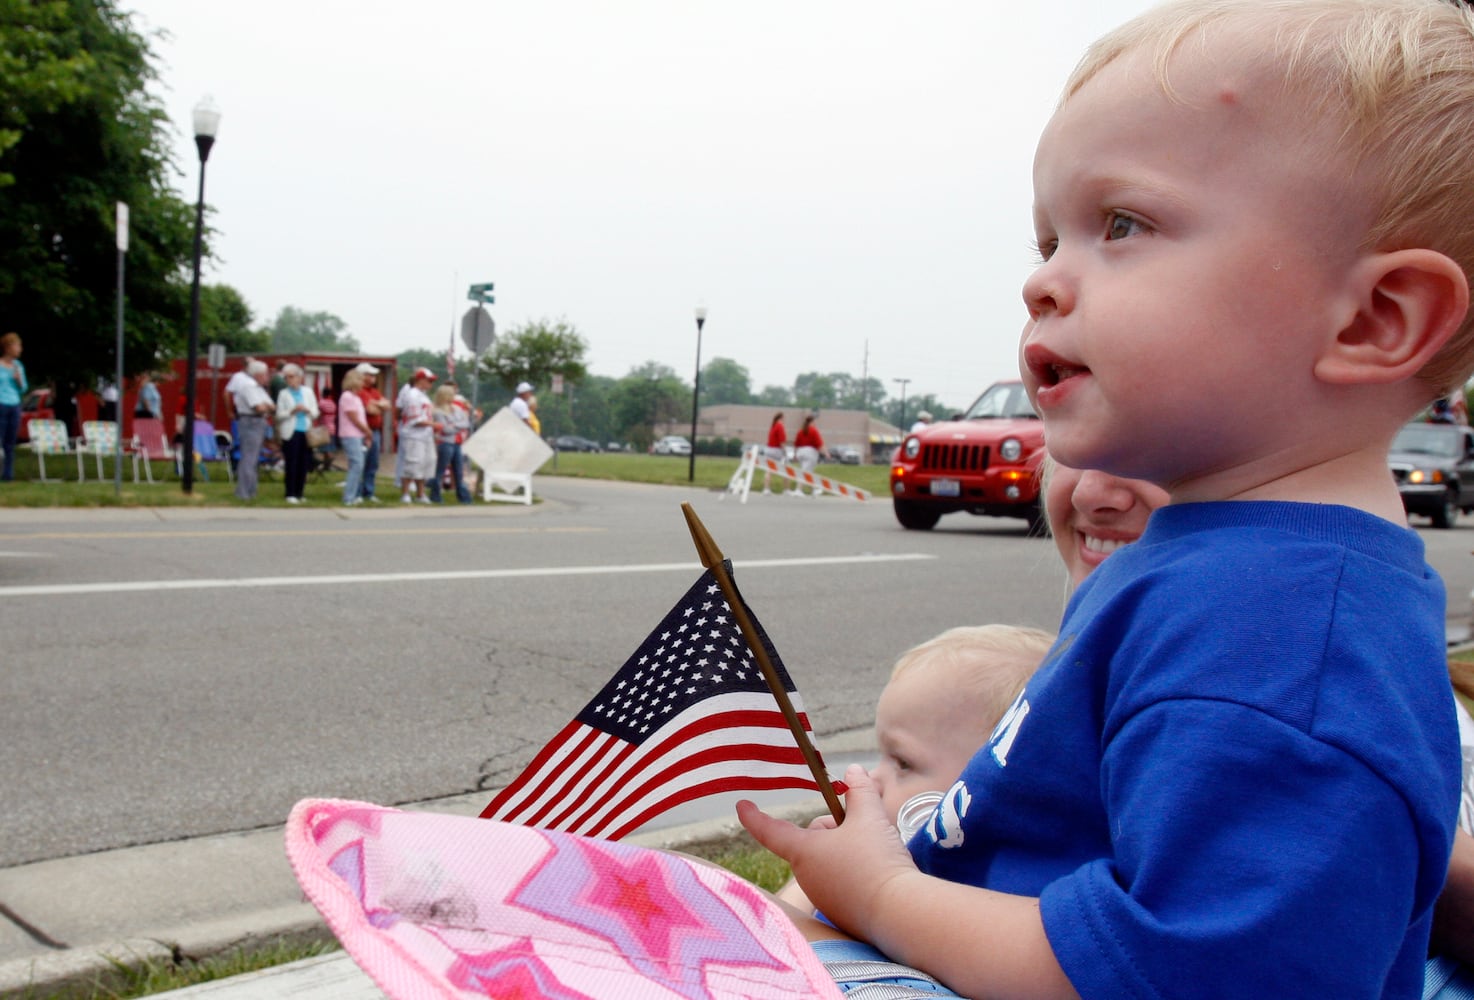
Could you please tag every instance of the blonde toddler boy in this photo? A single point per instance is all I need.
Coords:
(1237, 772)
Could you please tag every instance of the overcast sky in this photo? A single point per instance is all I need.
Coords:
(822, 174)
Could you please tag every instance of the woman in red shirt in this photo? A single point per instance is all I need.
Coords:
(808, 444)
(777, 438)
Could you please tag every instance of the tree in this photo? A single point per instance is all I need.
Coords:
(648, 395)
(814, 391)
(225, 318)
(418, 357)
(296, 330)
(535, 352)
(725, 381)
(80, 130)
(774, 395)
(861, 394)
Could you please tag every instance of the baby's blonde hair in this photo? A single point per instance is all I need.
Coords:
(1399, 74)
(996, 661)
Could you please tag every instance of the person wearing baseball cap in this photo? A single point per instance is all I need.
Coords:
(374, 408)
(519, 404)
(416, 461)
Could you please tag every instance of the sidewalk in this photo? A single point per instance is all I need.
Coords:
(68, 921)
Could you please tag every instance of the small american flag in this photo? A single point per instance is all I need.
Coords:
(688, 715)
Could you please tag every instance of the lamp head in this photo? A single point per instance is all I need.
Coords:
(700, 315)
(206, 124)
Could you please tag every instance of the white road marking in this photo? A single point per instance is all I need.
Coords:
(141, 586)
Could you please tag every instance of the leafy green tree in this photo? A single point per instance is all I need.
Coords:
(80, 130)
(296, 330)
(579, 409)
(774, 395)
(725, 381)
(535, 352)
(861, 394)
(418, 357)
(931, 404)
(814, 391)
(650, 394)
(225, 318)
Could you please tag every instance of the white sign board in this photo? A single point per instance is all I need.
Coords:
(504, 444)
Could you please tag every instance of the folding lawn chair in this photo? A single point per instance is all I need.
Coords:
(151, 444)
(100, 440)
(48, 437)
(207, 450)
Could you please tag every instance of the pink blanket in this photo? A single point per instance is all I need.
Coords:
(451, 907)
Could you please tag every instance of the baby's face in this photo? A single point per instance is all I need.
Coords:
(927, 730)
(1188, 244)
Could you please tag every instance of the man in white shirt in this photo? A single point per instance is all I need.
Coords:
(519, 403)
(246, 391)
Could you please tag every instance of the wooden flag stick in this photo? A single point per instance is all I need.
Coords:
(712, 559)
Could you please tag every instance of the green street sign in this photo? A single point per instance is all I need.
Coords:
(482, 292)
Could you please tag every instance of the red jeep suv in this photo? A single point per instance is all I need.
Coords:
(985, 462)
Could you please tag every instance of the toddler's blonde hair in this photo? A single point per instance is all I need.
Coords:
(996, 661)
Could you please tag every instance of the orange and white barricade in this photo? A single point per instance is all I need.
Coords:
(755, 461)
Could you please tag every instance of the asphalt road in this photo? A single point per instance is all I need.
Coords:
(175, 673)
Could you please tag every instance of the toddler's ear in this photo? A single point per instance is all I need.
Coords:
(1409, 303)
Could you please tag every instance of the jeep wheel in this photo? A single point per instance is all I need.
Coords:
(915, 516)
(1448, 511)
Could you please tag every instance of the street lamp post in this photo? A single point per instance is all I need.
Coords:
(696, 391)
(903, 383)
(206, 124)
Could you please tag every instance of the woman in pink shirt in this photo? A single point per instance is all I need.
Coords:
(353, 432)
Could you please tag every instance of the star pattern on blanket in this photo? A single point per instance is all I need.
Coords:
(512, 973)
(660, 917)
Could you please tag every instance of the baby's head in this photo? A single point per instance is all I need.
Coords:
(1262, 195)
(942, 702)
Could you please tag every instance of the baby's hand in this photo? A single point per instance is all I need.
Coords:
(842, 868)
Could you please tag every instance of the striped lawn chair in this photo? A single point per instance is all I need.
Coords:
(48, 437)
(100, 440)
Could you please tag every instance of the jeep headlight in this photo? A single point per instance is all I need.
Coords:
(1420, 476)
(913, 447)
(1011, 449)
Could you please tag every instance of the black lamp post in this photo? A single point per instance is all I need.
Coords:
(696, 391)
(206, 124)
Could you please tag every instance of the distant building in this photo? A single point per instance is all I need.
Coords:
(855, 428)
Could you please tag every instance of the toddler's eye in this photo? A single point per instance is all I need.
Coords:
(1120, 226)
(1043, 249)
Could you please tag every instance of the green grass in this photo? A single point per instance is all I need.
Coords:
(128, 979)
(26, 491)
